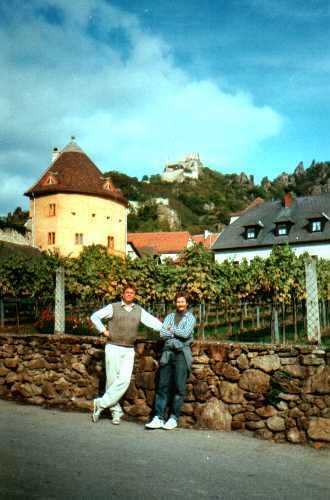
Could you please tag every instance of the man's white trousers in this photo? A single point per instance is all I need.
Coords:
(119, 363)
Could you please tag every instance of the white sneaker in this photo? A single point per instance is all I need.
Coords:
(156, 423)
(96, 411)
(116, 417)
(170, 424)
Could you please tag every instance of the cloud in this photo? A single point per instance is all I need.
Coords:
(92, 71)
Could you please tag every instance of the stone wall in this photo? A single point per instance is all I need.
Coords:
(279, 393)
(12, 236)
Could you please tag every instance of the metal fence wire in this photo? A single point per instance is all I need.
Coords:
(265, 322)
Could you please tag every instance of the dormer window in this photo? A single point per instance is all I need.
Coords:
(316, 226)
(50, 179)
(317, 222)
(107, 185)
(283, 226)
(252, 230)
(251, 233)
(282, 229)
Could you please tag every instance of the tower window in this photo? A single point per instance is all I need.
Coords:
(51, 238)
(111, 242)
(52, 210)
(79, 239)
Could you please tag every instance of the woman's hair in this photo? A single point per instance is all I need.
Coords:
(183, 295)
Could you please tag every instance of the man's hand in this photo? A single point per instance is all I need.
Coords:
(106, 333)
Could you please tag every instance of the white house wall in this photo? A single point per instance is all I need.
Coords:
(319, 250)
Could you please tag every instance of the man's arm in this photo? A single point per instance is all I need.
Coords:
(150, 321)
(96, 319)
(166, 329)
(185, 328)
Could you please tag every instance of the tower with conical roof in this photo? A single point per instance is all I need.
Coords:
(73, 205)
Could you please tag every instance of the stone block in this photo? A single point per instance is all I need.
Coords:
(251, 416)
(201, 390)
(319, 429)
(11, 362)
(13, 377)
(254, 381)
(266, 411)
(268, 363)
(187, 409)
(243, 362)
(276, 423)
(312, 359)
(296, 371)
(48, 390)
(319, 383)
(230, 372)
(264, 434)
(145, 380)
(254, 425)
(234, 354)
(4, 371)
(216, 352)
(139, 408)
(147, 364)
(279, 437)
(237, 426)
(282, 405)
(235, 408)
(215, 415)
(203, 359)
(231, 393)
(186, 421)
(28, 390)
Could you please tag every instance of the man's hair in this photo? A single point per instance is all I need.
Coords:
(183, 295)
(131, 286)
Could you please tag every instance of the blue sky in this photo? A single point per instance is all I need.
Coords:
(243, 82)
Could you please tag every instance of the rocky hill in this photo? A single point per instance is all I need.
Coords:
(206, 203)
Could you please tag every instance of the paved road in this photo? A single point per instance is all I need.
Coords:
(48, 454)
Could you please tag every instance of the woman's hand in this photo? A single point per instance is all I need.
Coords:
(107, 334)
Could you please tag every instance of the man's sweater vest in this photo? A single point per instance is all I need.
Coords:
(124, 325)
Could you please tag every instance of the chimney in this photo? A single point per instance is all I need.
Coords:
(287, 200)
(55, 154)
(206, 234)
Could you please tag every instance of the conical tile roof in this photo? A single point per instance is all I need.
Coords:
(74, 172)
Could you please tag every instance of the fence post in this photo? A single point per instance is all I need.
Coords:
(59, 324)
(258, 317)
(2, 314)
(275, 325)
(312, 302)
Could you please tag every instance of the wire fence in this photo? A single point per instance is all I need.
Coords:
(241, 322)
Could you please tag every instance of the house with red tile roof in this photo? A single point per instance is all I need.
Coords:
(163, 244)
(73, 205)
(207, 239)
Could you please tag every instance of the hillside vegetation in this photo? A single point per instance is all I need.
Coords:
(207, 202)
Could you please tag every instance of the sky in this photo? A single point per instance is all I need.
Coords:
(245, 83)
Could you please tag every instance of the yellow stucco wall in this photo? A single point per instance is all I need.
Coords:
(94, 217)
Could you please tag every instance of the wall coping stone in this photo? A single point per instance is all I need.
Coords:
(98, 340)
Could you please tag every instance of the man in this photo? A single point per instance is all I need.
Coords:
(124, 320)
(175, 364)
